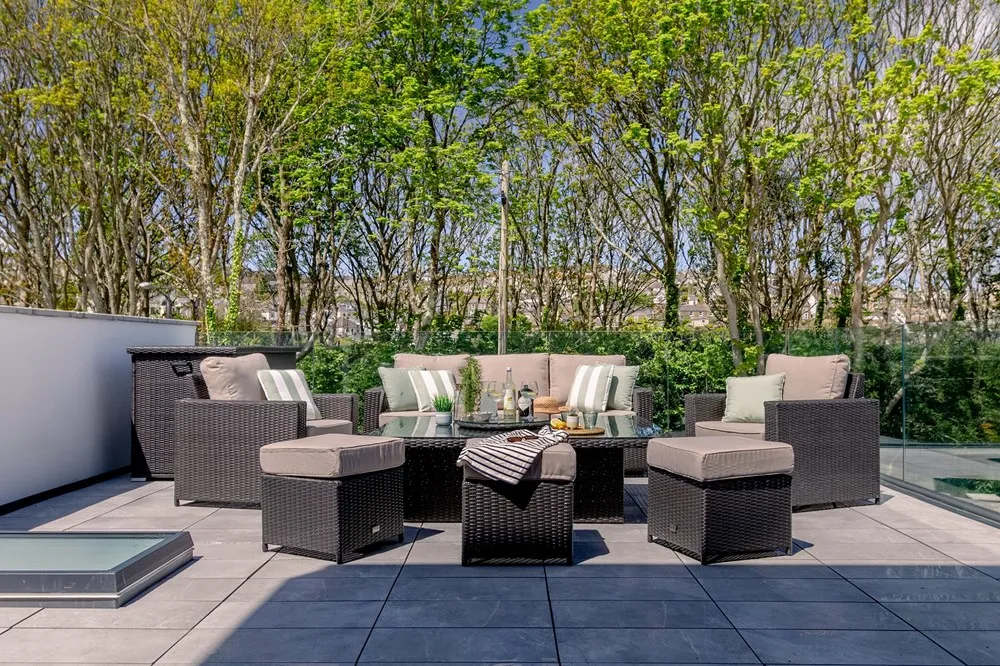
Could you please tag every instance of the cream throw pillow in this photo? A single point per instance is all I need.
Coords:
(745, 397)
(429, 384)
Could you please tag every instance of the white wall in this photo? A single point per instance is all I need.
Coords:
(66, 394)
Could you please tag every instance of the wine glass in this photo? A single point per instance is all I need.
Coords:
(495, 391)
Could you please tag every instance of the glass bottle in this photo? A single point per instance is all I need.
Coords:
(509, 397)
(526, 402)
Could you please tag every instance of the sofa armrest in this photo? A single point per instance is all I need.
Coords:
(836, 444)
(338, 406)
(702, 407)
(218, 442)
(642, 403)
(375, 404)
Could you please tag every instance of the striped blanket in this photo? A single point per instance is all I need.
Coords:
(508, 457)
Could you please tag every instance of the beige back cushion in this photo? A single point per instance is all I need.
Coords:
(562, 370)
(525, 367)
(234, 377)
(454, 363)
(811, 377)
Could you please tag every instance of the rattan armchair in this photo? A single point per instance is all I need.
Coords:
(836, 442)
(218, 443)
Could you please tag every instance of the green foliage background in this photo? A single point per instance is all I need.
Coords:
(951, 373)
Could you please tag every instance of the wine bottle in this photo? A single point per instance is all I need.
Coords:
(509, 397)
(525, 403)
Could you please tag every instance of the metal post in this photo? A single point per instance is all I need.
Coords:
(502, 279)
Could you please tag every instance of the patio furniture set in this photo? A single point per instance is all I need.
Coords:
(724, 491)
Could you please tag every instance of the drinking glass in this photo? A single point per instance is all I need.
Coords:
(589, 420)
(495, 393)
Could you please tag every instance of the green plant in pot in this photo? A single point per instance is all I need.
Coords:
(471, 378)
(442, 410)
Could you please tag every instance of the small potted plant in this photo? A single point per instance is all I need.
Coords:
(442, 410)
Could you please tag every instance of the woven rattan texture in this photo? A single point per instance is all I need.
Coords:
(529, 521)
(718, 521)
(218, 446)
(332, 518)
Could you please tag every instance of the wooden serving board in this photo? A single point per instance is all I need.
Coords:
(583, 432)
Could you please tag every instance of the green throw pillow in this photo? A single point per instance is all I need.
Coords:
(745, 397)
(399, 389)
(623, 378)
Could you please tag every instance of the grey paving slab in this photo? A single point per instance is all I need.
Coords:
(712, 646)
(779, 646)
(851, 535)
(639, 614)
(809, 615)
(205, 567)
(972, 553)
(11, 616)
(139, 614)
(313, 568)
(626, 589)
(610, 533)
(136, 524)
(444, 559)
(192, 589)
(833, 519)
(931, 589)
(465, 614)
(440, 645)
(803, 568)
(98, 646)
(246, 646)
(949, 570)
(313, 589)
(945, 616)
(782, 589)
(215, 535)
(231, 551)
(295, 614)
(875, 552)
(440, 533)
(231, 519)
(469, 589)
(986, 535)
(593, 553)
(977, 648)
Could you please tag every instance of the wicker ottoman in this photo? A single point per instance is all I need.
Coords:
(330, 496)
(720, 498)
(532, 520)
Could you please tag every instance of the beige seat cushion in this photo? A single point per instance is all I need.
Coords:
(525, 368)
(454, 363)
(557, 463)
(562, 370)
(715, 428)
(716, 458)
(331, 456)
(385, 417)
(234, 377)
(329, 427)
(811, 377)
(617, 412)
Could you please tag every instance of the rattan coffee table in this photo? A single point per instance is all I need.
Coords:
(433, 482)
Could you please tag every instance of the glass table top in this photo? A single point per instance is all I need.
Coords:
(69, 552)
(425, 427)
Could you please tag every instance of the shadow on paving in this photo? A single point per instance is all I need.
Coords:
(637, 604)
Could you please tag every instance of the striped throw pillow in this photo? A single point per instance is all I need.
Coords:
(429, 384)
(288, 385)
(591, 387)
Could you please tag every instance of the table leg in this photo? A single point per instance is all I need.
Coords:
(432, 485)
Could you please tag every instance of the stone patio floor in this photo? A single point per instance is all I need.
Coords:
(899, 583)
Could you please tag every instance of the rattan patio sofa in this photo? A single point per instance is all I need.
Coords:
(836, 441)
(553, 373)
